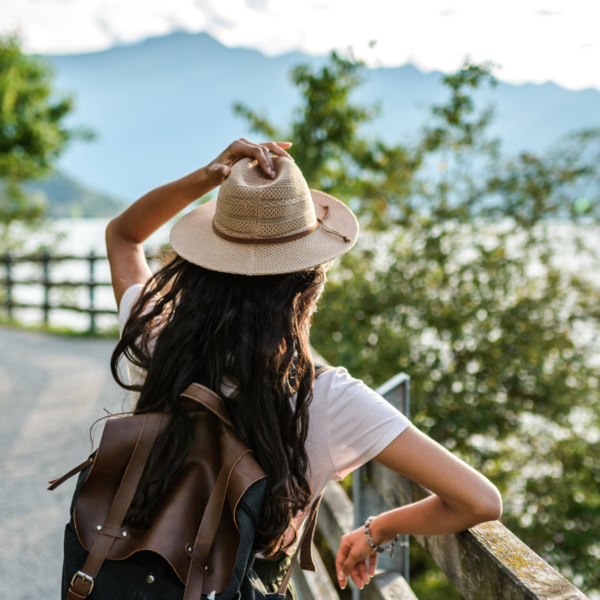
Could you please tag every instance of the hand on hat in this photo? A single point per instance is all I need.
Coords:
(220, 167)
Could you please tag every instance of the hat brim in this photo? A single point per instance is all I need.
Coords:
(194, 239)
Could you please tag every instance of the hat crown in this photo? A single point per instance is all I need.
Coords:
(253, 205)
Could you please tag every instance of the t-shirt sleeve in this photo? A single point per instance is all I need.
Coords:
(361, 423)
(127, 301)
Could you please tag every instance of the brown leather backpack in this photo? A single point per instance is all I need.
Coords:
(204, 527)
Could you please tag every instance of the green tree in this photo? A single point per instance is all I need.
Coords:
(33, 133)
(475, 276)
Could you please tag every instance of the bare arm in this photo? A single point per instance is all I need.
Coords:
(126, 233)
(462, 498)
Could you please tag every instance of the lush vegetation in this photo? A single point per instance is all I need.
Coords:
(477, 275)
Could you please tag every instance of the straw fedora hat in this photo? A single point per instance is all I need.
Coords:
(263, 226)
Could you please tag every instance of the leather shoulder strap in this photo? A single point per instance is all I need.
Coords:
(112, 529)
(306, 558)
(60, 480)
(209, 399)
(305, 539)
(320, 370)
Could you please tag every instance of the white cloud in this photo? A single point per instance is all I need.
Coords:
(534, 41)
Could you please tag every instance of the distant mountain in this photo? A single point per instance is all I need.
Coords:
(162, 107)
(68, 198)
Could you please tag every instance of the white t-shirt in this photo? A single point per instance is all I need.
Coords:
(349, 423)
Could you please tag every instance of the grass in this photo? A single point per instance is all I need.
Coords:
(112, 333)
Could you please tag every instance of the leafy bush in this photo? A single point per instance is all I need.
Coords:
(32, 134)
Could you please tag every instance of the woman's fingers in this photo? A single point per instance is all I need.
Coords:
(269, 160)
(340, 559)
(353, 566)
(360, 575)
(261, 152)
(372, 564)
(245, 148)
(277, 148)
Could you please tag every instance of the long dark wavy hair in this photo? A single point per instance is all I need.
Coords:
(205, 325)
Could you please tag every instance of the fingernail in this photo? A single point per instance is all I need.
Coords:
(341, 575)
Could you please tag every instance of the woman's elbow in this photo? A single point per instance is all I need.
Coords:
(110, 232)
(488, 506)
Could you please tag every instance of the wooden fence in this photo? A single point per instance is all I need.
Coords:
(486, 562)
(47, 261)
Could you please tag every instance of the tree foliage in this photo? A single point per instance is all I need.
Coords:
(33, 133)
(476, 274)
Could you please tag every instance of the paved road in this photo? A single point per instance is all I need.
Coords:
(51, 390)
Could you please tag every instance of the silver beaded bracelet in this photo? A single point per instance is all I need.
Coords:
(373, 545)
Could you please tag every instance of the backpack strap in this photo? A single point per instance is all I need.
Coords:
(82, 583)
(207, 531)
(60, 480)
(319, 370)
(306, 559)
(209, 399)
(304, 549)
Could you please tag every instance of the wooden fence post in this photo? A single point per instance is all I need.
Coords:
(92, 259)
(46, 284)
(9, 300)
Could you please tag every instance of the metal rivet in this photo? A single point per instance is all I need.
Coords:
(99, 527)
(207, 568)
(124, 534)
(91, 460)
(150, 579)
(190, 549)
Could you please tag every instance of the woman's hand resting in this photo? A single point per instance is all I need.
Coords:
(220, 167)
(351, 560)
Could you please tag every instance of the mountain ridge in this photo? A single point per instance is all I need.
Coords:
(68, 198)
(162, 107)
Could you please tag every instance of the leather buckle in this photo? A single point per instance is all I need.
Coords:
(85, 577)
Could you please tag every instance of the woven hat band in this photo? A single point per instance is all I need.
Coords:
(281, 239)
(265, 225)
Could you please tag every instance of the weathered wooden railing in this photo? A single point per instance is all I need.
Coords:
(486, 562)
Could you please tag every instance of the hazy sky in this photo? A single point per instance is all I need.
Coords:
(556, 40)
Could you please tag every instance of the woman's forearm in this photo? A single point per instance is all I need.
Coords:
(430, 516)
(126, 233)
(140, 220)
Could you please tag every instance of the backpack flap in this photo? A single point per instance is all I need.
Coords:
(198, 509)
